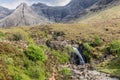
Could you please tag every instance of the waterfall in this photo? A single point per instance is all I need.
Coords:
(79, 55)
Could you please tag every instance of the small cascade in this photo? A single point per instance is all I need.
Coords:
(79, 55)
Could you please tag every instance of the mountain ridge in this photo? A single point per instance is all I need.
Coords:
(42, 14)
(63, 13)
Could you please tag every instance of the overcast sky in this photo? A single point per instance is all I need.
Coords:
(14, 3)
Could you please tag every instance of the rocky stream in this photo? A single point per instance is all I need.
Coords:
(85, 71)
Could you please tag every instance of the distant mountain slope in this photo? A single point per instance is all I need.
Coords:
(4, 12)
(75, 11)
(102, 11)
(23, 15)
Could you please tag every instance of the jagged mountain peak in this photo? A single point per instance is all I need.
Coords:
(40, 5)
(22, 5)
(23, 15)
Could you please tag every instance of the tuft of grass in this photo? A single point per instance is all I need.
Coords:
(36, 73)
(1, 34)
(17, 77)
(115, 47)
(66, 72)
(97, 41)
(87, 47)
(62, 57)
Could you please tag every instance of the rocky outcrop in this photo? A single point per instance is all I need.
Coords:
(23, 15)
(86, 73)
(55, 14)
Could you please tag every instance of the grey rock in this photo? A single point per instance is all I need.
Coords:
(23, 15)
(63, 13)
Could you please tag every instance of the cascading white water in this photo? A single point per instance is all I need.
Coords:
(92, 73)
(79, 55)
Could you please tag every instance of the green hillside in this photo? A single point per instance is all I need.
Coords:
(106, 14)
(46, 52)
(36, 53)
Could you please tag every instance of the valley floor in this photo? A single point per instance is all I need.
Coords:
(36, 53)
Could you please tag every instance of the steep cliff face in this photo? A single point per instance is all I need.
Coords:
(64, 13)
(55, 14)
(4, 12)
(81, 3)
(23, 15)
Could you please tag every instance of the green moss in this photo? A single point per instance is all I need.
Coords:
(35, 53)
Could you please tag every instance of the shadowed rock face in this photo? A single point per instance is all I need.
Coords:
(55, 14)
(103, 4)
(4, 12)
(23, 15)
(64, 13)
